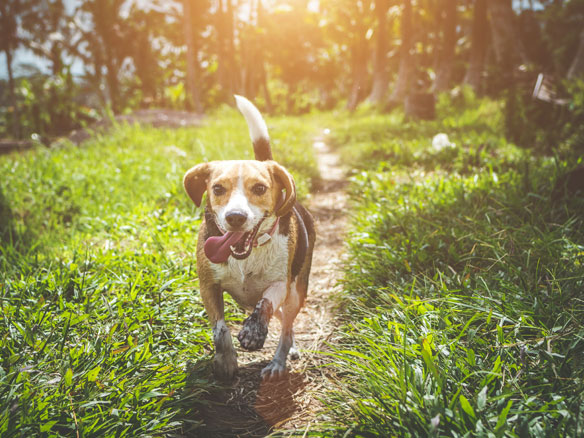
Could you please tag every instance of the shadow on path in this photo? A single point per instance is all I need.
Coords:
(250, 407)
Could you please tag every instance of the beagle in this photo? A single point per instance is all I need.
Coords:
(255, 243)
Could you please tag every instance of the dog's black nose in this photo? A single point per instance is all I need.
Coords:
(236, 218)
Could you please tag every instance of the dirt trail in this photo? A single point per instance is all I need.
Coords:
(252, 408)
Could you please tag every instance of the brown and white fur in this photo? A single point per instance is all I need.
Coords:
(272, 279)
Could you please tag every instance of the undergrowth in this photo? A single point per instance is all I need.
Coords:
(102, 331)
(462, 306)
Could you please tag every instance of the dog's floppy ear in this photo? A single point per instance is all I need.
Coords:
(195, 182)
(283, 177)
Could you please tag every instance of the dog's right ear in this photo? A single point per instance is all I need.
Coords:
(195, 182)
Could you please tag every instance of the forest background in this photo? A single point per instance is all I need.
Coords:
(94, 58)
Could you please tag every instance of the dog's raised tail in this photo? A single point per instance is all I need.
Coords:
(258, 131)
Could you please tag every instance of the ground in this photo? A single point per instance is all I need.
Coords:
(250, 407)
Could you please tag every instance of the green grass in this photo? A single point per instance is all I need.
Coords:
(462, 305)
(102, 330)
(462, 311)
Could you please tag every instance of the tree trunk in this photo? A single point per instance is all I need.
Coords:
(446, 58)
(232, 64)
(480, 28)
(194, 100)
(577, 67)
(112, 81)
(261, 19)
(406, 61)
(380, 79)
(226, 48)
(12, 94)
(359, 69)
(509, 51)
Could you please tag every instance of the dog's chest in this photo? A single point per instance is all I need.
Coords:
(246, 280)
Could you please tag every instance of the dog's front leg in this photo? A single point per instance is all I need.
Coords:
(255, 328)
(225, 360)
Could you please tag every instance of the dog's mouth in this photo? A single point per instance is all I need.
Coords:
(237, 244)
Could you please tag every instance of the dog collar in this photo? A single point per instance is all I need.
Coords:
(266, 237)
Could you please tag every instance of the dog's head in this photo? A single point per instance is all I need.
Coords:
(241, 194)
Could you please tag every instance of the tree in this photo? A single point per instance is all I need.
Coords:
(254, 76)
(49, 34)
(508, 48)
(225, 34)
(479, 42)
(106, 44)
(191, 58)
(406, 65)
(577, 66)
(9, 42)
(446, 53)
(380, 74)
(359, 57)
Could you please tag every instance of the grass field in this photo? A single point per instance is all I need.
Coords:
(461, 314)
(102, 330)
(462, 309)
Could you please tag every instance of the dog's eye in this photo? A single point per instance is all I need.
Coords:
(218, 190)
(259, 189)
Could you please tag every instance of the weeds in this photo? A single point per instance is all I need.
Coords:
(102, 330)
(463, 309)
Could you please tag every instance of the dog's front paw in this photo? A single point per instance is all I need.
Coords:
(255, 328)
(274, 370)
(225, 366)
(253, 334)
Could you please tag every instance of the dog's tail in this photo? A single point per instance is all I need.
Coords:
(258, 131)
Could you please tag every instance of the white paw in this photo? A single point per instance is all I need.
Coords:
(225, 366)
(294, 354)
(274, 371)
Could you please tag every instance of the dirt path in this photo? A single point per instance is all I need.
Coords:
(252, 408)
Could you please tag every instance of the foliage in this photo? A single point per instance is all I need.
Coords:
(102, 331)
(542, 126)
(292, 57)
(462, 293)
(48, 107)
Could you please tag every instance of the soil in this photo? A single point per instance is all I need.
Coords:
(250, 407)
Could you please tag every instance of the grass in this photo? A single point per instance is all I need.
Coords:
(462, 305)
(102, 331)
(461, 314)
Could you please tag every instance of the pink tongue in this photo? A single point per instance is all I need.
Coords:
(217, 248)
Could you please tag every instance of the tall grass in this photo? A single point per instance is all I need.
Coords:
(462, 294)
(102, 331)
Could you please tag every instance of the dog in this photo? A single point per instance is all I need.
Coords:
(255, 243)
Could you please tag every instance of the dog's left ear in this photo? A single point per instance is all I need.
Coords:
(195, 182)
(283, 177)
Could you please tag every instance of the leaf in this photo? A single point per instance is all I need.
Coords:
(503, 417)
(47, 426)
(121, 349)
(92, 375)
(68, 377)
(466, 407)
(482, 398)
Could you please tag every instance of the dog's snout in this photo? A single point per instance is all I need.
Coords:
(236, 218)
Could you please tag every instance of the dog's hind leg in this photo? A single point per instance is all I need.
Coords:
(290, 308)
(293, 353)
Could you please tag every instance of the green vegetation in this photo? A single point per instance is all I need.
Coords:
(102, 331)
(462, 296)
(461, 311)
